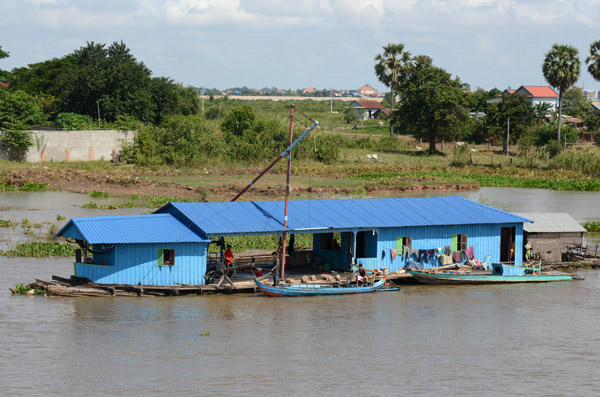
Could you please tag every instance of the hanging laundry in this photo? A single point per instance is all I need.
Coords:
(423, 253)
(456, 257)
(471, 253)
(447, 250)
(393, 253)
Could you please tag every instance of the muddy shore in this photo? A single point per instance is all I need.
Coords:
(124, 182)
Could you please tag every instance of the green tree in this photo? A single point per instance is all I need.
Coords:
(389, 69)
(109, 79)
(575, 104)
(561, 70)
(3, 54)
(238, 120)
(17, 108)
(477, 100)
(514, 109)
(42, 77)
(593, 60)
(433, 103)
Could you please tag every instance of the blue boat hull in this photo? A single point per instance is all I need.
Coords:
(474, 278)
(315, 289)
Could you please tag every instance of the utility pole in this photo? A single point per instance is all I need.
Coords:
(507, 135)
(331, 101)
(98, 105)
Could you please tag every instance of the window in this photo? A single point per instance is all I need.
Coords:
(166, 257)
(401, 242)
(459, 242)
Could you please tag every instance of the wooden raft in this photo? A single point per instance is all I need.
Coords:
(76, 286)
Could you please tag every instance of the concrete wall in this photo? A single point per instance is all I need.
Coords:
(75, 145)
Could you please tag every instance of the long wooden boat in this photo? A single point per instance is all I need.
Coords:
(487, 277)
(316, 289)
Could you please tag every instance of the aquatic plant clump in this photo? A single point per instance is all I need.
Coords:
(39, 249)
(591, 226)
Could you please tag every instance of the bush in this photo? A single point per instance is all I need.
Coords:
(553, 148)
(584, 161)
(461, 156)
(74, 121)
(239, 120)
(16, 143)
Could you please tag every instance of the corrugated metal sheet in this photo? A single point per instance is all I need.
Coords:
(128, 229)
(136, 264)
(227, 218)
(551, 223)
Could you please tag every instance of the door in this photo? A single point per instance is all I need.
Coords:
(507, 244)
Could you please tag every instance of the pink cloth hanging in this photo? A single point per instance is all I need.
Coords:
(470, 253)
(393, 253)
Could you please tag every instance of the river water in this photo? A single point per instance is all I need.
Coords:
(459, 340)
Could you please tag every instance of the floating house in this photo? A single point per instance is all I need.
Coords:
(171, 246)
(551, 234)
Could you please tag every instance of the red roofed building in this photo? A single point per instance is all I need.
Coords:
(366, 90)
(370, 109)
(310, 90)
(539, 93)
(535, 93)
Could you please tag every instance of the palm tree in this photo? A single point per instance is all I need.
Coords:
(561, 70)
(593, 60)
(389, 68)
(540, 110)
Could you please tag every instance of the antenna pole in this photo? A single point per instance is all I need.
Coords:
(287, 192)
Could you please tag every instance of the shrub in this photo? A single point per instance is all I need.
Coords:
(74, 121)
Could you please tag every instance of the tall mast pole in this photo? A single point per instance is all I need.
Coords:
(287, 192)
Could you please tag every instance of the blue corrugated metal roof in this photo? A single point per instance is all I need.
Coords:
(265, 217)
(149, 228)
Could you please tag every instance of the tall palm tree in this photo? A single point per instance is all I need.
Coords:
(389, 69)
(593, 61)
(561, 70)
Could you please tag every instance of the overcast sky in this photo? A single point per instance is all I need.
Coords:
(306, 43)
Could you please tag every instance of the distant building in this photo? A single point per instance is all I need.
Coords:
(366, 90)
(591, 95)
(535, 93)
(369, 109)
(310, 90)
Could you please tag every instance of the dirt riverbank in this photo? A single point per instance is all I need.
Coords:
(123, 182)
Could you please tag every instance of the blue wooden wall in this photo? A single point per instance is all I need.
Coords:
(135, 264)
(485, 240)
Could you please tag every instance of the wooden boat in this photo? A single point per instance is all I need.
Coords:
(500, 274)
(316, 289)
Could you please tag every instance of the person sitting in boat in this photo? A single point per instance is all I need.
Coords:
(276, 265)
(361, 275)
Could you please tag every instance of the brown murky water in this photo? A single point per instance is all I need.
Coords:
(486, 340)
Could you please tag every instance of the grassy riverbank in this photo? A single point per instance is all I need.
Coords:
(398, 170)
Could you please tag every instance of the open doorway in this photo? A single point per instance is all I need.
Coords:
(507, 244)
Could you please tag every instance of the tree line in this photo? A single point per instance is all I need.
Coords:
(428, 102)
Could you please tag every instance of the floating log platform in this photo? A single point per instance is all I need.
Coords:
(76, 286)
